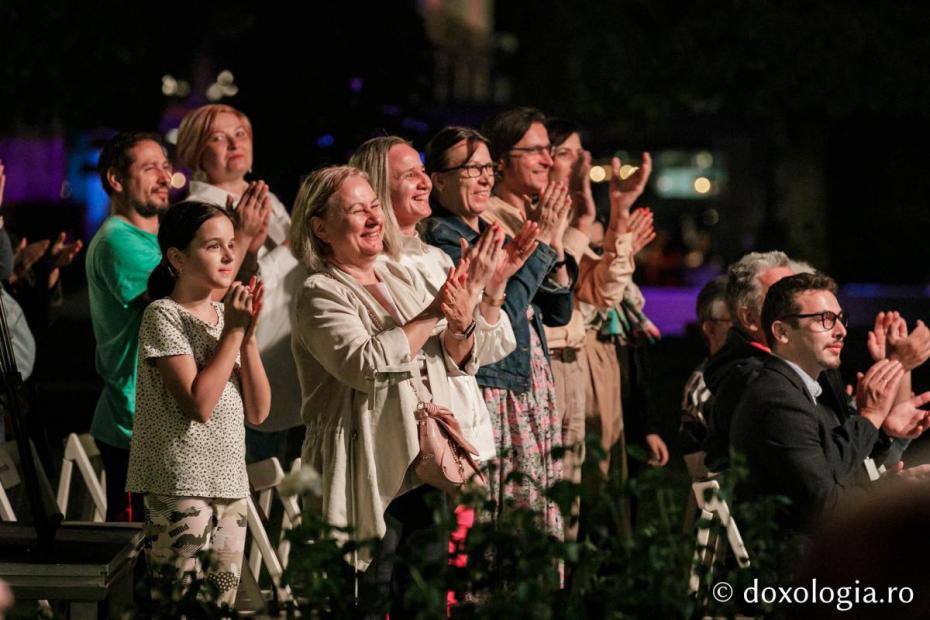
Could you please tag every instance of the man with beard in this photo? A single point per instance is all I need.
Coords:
(136, 174)
(794, 445)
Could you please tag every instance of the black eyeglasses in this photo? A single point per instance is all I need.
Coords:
(535, 150)
(473, 171)
(827, 319)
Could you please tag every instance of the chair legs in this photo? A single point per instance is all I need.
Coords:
(712, 508)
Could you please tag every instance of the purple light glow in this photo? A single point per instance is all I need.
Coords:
(34, 168)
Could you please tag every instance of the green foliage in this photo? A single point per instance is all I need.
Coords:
(516, 569)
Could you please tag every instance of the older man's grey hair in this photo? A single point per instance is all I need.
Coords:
(743, 287)
(799, 266)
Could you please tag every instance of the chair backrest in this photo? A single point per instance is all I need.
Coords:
(9, 465)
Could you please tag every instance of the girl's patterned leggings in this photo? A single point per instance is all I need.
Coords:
(177, 529)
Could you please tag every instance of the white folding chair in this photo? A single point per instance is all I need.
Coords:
(9, 478)
(79, 449)
(291, 518)
(707, 497)
(264, 477)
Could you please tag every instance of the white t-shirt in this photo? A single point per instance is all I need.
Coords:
(171, 454)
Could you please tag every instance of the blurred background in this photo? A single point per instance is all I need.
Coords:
(773, 125)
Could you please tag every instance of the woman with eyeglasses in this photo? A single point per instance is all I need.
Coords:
(518, 390)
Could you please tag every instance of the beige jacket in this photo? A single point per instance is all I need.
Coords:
(358, 400)
(601, 283)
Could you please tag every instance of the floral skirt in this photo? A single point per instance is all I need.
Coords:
(527, 426)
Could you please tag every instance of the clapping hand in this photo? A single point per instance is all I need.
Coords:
(625, 192)
(26, 255)
(257, 301)
(913, 349)
(484, 257)
(876, 389)
(551, 214)
(516, 252)
(640, 224)
(906, 420)
(252, 213)
(457, 303)
(63, 253)
(238, 308)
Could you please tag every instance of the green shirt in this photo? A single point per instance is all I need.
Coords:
(119, 261)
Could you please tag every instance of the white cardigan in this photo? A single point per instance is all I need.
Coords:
(358, 397)
(283, 275)
(492, 343)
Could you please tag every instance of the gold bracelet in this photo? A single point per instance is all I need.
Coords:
(495, 303)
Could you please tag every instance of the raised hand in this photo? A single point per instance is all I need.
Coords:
(516, 252)
(551, 214)
(877, 338)
(913, 349)
(625, 192)
(63, 253)
(876, 389)
(252, 210)
(457, 302)
(237, 307)
(26, 255)
(640, 224)
(484, 257)
(2, 182)
(906, 420)
(257, 291)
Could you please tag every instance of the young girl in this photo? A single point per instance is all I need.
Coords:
(200, 376)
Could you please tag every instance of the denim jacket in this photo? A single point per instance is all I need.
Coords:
(552, 304)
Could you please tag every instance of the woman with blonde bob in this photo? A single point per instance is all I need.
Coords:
(369, 347)
(215, 143)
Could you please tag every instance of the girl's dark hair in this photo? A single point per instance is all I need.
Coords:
(178, 227)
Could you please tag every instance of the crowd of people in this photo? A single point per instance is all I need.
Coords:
(476, 279)
(771, 395)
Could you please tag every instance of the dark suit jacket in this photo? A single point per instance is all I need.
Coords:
(810, 453)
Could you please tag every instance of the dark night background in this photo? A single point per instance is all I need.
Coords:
(818, 108)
